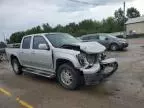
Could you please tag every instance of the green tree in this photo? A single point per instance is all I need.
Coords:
(71, 28)
(119, 15)
(16, 37)
(34, 30)
(88, 26)
(8, 41)
(120, 18)
(110, 25)
(46, 28)
(58, 28)
(132, 13)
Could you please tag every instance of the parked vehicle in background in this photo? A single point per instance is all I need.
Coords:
(60, 55)
(2, 54)
(118, 34)
(2, 47)
(2, 51)
(110, 42)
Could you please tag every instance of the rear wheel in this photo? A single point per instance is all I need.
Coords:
(16, 66)
(68, 77)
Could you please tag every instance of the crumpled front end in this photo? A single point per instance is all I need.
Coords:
(92, 62)
(98, 72)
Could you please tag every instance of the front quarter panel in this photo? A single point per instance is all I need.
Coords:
(67, 55)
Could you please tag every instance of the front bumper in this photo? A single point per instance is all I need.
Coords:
(124, 45)
(94, 75)
(93, 79)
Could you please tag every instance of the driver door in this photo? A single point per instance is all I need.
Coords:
(41, 59)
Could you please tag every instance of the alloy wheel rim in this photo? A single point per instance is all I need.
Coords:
(66, 77)
(15, 67)
(113, 47)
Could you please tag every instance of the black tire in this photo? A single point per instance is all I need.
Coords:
(114, 47)
(76, 78)
(19, 69)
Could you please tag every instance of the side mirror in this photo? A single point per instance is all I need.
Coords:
(43, 47)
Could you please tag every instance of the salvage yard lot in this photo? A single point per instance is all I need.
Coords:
(125, 89)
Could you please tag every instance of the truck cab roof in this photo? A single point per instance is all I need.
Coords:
(43, 34)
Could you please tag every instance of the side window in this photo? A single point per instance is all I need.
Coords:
(102, 38)
(38, 40)
(26, 43)
(93, 37)
(85, 38)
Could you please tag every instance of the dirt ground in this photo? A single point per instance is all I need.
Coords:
(125, 89)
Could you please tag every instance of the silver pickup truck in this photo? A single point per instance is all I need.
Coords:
(60, 55)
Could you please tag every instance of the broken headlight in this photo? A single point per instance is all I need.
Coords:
(86, 59)
(82, 59)
(91, 59)
(102, 56)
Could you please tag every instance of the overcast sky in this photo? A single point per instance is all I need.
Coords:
(18, 15)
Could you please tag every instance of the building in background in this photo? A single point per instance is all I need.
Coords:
(135, 26)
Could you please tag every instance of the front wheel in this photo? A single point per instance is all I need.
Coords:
(114, 47)
(16, 66)
(68, 77)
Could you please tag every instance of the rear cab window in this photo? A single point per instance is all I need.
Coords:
(26, 42)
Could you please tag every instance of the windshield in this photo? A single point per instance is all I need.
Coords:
(111, 36)
(58, 40)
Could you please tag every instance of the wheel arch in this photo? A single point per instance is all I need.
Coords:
(62, 61)
(13, 57)
(114, 43)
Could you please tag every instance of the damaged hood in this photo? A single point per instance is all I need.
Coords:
(88, 47)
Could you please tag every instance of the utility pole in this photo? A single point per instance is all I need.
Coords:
(4, 37)
(124, 4)
(124, 7)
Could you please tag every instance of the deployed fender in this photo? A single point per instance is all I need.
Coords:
(111, 62)
(108, 61)
(69, 56)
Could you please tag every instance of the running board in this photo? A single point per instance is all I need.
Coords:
(39, 72)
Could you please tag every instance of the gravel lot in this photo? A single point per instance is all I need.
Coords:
(125, 89)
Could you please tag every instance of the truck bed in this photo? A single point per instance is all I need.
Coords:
(12, 51)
